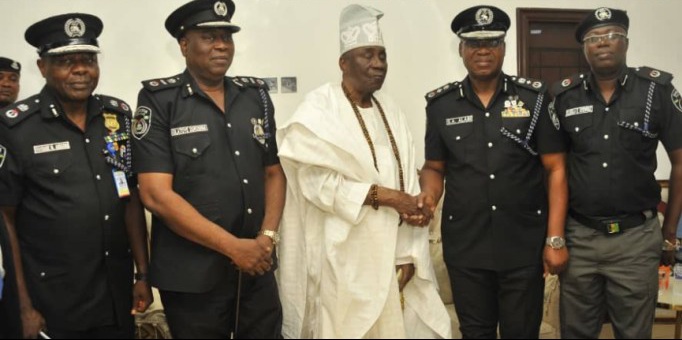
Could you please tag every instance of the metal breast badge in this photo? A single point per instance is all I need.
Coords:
(513, 108)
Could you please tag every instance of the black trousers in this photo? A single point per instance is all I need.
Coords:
(10, 320)
(511, 298)
(126, 331)
(213, 315)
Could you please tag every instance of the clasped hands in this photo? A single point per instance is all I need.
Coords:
(416, 210)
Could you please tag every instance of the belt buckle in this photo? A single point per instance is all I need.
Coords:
(611, 226)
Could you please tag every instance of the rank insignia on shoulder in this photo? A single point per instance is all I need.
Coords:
(114, 104)
(566, 84)
(531, 84)
(441, 91)
(654, 75)
(162, 83)
(245, 81)
(17, 112)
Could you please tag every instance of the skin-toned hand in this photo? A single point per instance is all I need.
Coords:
(33, 322)
(668, 258)
(405, 274)
(142, 297)
(252, 257)
(427, 207)
(555, 260)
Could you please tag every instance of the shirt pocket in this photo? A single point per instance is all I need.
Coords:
(52, 164)
(191, 151)
(633, 131)
(459, 139)
(579, 128)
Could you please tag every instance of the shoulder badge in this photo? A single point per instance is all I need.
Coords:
(13, 114)
(531, 84)
(654, 75)
(115, 104)
(245, 81)
(431, 96)
(566, 84)
(157, 84)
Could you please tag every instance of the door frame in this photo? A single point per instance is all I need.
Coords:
(524, 17)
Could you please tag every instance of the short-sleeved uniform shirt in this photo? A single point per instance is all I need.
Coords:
(495, 207)
(218, 165)
(69, 214)
(611, 146)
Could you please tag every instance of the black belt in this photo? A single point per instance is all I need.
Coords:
(615, 224)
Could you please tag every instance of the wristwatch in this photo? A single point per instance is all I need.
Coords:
(273, 235)
(669, 246)
(556, 242)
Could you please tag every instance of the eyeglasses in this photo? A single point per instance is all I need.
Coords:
(483, 43)
(611, 36)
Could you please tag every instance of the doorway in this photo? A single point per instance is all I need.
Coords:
(547, 48)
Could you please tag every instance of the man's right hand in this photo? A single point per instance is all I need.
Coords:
(33, 322)
(252, 257)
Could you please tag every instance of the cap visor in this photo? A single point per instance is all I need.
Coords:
(482, 35)
(73, 49)
(220, 24)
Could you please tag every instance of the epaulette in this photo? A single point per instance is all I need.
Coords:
(245, 81)
(15, 113)
(534, 85)
(566, 84)
(432, 95)
(654, 75)
(162, 83)
(114, 104)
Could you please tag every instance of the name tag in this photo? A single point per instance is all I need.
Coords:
(459, 120)
(52, 147)
(186, 130)
(579, 110)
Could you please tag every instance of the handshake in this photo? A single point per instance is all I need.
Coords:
(416, 210)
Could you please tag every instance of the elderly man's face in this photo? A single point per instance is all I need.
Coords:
(365, 68)
(606, 48)
(9, 87)
(74, 76)
(208, 52)
(483, 59)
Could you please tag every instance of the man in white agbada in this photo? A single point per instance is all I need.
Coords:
(349, 158)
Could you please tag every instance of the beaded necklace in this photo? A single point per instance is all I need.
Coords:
(394, 146)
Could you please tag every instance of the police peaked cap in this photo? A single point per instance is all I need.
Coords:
(66, 33)
(7, 64)
(201, 14)
(481, 22)
(602, 16)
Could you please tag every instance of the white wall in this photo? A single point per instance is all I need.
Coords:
(299, 38)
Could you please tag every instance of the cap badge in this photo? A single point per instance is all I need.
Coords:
(74, 28)
(220, 8)
(602, 14)
(484, 16)
(15, 65)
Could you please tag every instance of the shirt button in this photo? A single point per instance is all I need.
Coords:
(87, 140)
(249, 211)
(450, 217)
(518, 131)
(229, 125)
(457, 138)
(487, 114)
(490, 144)
(236, 152)
(606, 136)
(56, 171)
(636, 124)
(194, 151)
(494, 208)
(605, 165)
(106, 217)
(246, 181)
(539, 212)
(492, 176)
(106, 253)
(606, 109)
(577, 129)
(42, 274)
(98, 177)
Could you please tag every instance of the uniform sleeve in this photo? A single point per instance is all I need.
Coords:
(435, 149)
(151, 137)
(550, 136)
(271, 155)
(11, 171)
(671, 119)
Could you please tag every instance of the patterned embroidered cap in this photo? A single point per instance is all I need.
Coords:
(201, 14)
(66, 33)
(359, 27)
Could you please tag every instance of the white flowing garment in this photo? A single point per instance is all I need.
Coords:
(338, 256)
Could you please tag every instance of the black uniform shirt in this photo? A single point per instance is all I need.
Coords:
(218, 165)
(612, 146)
(495, 208)
(69, 217)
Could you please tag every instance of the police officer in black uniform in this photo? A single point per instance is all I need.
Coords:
(483, 136)
(210, 175)
(10, 73)
(613, 118)
(68, 195)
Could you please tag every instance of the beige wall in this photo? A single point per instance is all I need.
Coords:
(299, 38)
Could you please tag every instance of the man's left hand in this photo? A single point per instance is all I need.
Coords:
(405, 273)
(142, 297)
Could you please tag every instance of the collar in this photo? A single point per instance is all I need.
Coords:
(590, 81)
(50, 108)
(504, 85)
